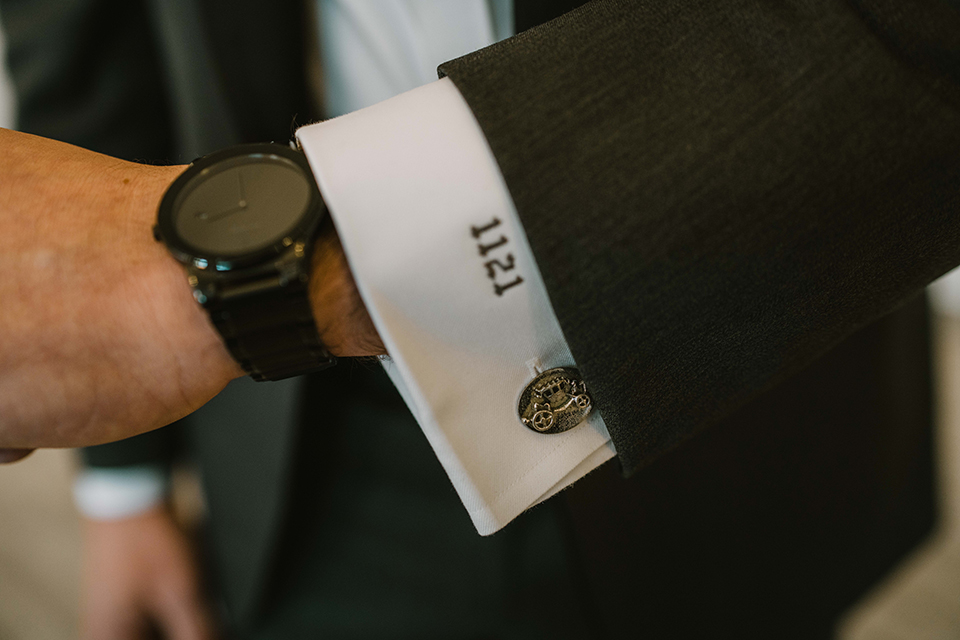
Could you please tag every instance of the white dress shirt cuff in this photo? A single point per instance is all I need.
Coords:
(101, 493)
(443, 265)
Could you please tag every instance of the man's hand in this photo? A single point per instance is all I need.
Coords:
(12, 455)
(100, 337)
(140, 573)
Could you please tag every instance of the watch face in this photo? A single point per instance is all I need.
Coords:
(241, 204)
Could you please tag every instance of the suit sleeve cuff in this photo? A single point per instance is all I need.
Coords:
(443, 266)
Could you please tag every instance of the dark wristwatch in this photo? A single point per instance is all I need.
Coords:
(243, 222)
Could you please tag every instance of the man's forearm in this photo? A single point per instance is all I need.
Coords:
(100, 336)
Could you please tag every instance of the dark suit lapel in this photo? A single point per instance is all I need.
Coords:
(203, 116)
(244, 439)
(258, 51)
(235, 71)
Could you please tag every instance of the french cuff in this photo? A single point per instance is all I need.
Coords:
(443, 266)
(108, 493)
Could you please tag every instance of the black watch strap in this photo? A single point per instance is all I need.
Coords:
(268, 327)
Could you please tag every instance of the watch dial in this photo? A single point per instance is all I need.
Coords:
(241, 205)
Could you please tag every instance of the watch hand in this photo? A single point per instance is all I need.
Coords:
(203, 215)
(241, 205)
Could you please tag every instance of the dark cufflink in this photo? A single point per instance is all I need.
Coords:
(556, 400)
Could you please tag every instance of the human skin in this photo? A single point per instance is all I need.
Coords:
(140, 573)
(100, 337)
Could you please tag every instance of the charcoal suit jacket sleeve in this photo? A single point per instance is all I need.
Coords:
(717, 193)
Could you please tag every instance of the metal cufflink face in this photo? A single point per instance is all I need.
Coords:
(556, 400)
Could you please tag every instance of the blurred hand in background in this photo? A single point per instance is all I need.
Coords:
(141, 576)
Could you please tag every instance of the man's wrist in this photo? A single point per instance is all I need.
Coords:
(191, 321)
(101, 336)
(343, 323)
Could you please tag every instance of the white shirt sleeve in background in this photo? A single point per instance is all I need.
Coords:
(107, 493)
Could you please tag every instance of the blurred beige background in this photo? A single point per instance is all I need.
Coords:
(40, 535)
(39, 549)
